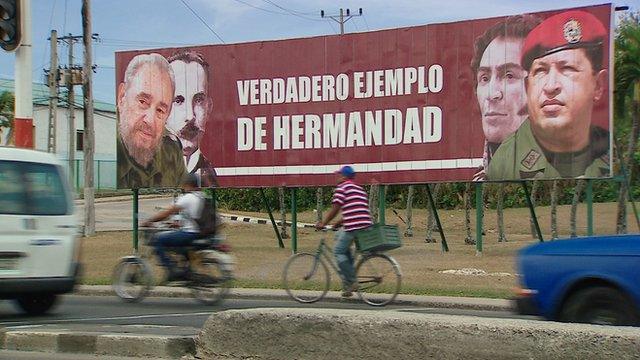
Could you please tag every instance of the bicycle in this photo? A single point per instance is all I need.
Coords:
(209, 264)
(305, 272)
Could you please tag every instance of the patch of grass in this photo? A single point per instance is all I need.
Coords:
(260, 262)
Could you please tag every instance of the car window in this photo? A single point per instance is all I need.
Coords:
(29, 188)
(13, 196)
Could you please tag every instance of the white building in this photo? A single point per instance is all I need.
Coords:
(104, 124)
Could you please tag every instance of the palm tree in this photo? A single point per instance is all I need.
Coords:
(627, 86)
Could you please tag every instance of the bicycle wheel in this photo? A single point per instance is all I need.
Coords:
(306, 278)
(209, 280)
(132, 279)
(379, 279)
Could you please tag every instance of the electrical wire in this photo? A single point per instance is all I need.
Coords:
(261, 9)
(365, 22)
(202, 20)
(291, 12)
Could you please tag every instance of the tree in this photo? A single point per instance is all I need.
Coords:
(554, 210)
(409, 231)
(469, 239)
(7, 101)
(627, 87)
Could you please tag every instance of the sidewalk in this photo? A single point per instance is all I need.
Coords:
(174, 342)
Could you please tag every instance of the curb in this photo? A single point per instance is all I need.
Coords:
(445, 302)
(262, 221)
(92, 343)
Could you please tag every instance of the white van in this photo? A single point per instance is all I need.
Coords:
(38, 246)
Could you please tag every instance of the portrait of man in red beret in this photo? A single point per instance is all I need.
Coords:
(565, 58)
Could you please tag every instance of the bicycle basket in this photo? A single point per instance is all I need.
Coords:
(378, 238)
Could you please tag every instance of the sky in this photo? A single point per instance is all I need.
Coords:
(142, 24)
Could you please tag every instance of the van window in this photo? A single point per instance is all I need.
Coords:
(31, 189)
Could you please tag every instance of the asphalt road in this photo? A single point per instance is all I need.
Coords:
(74, 309)
(118, 215)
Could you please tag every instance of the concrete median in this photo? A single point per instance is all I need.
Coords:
(357, 334)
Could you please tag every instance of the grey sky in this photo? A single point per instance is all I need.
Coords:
(139, 24)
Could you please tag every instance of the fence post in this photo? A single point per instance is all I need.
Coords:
(98, 168)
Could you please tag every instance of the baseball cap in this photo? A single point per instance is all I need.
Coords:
(346, 171)
(571, 29)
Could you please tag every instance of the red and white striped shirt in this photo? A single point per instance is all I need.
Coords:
(354, 204)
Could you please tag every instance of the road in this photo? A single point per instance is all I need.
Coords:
(74, 309)
(117, 215)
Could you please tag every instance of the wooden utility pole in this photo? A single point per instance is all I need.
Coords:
(72, 113)
(89, 135)
(53, 93)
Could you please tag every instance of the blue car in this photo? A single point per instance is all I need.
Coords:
(592, 279)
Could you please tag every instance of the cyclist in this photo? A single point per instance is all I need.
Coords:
(188, 208)
(350, 199)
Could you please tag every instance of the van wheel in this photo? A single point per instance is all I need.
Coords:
(599, 305)
(36, 304)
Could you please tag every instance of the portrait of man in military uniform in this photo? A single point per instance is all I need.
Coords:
(192, 106)
(499, 80)
(147, 156)
(564, 57)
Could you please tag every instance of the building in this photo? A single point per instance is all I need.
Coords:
(104, 124)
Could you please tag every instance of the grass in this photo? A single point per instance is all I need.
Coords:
(259, 260)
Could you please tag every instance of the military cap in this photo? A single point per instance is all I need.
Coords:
(571, 29)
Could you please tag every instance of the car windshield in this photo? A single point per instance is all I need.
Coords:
(31, 188)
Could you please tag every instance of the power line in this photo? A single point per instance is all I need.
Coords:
(365, 22)
(202, 20)
(291, 12)
(64, 24)
(262, 9)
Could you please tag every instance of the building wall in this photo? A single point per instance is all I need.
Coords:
(105, 143)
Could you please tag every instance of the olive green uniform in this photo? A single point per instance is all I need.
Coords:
(166, 169)
(521, 157)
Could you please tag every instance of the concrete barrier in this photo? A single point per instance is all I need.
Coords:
(357, 334)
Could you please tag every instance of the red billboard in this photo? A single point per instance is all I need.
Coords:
(507, 98)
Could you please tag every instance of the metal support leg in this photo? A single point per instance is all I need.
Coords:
(479, 216)
(382, 203)
(443, 243)
(273, 221)
(294, 221)
(135, 220)
(532, 210)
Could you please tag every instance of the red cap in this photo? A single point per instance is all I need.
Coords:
(568, 30)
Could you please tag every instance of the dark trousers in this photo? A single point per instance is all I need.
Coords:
(168, 239)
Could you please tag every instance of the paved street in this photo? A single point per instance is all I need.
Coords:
(74, 309)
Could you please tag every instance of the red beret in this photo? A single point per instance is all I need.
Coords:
(568, 30)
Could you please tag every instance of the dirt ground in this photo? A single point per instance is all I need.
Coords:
(259, 260)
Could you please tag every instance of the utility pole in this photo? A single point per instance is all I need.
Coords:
(53, 92)
(72, 76)
(340, 19)
(89, 135)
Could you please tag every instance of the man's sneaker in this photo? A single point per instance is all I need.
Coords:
(348, 291)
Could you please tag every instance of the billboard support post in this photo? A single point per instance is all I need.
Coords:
(589, 207)
(381, 204)
(445, 247)
(135, 220)
(532, 210)
(479, 216)
(294, 221)
(273, 221)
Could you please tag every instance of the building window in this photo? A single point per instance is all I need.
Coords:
(79, 140)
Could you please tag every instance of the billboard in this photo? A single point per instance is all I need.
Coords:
(506, 98)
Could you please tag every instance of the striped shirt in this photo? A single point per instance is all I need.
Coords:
(354, 204)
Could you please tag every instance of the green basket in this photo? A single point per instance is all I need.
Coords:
(377, 238)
